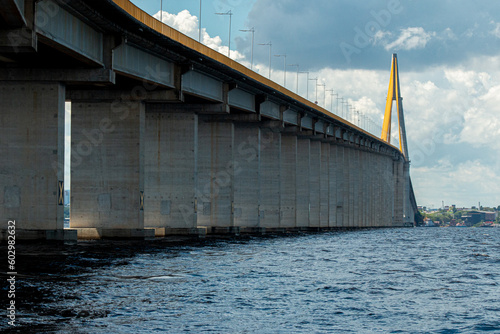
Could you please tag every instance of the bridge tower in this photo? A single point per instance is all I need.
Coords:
(394, 94)
(404, 198)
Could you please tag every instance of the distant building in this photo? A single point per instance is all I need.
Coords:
(476, 216)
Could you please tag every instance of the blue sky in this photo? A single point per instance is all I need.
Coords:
(449, 61)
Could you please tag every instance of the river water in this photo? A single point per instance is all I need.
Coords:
(413, 280)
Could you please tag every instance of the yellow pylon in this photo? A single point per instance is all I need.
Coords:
(394, 93)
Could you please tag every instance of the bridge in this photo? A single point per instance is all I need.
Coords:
(171, 137)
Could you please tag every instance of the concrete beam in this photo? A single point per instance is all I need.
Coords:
(156, 96)
(68, 33)
(201, 85)
(136, 63)
(18, 41)
(240, 99)
(69, 76)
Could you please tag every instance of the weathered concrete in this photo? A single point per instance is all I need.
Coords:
(269, 179)
(302, 183)
(332, 184)
(288, 181)
(246, 182)
(314, 183)
(32, 165)
(399, 186)
(342, 181)
(171, 156)
(324, 185)
(215, 175)
(107, 168)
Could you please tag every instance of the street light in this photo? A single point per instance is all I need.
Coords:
(161, 11)
(316, 89)
(284, 68)
(324, 95)
(270, 46)
(230, 13)
(199, 25)
(331, 98)
(297, 83)
(252, 30)
(307, 89)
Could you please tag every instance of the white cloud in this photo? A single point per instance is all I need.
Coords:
(411, 38)
(496, 31)
(188, 25)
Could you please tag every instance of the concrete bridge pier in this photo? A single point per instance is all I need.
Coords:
(324, 184)
(32, 165)
(107, 169)
(303, 182)
(399, 187)
(409, 214)
(314, 183)
(269, 178)
(247, 143)
(333, 187)
(288, 179)
(171, 171)
(215, 176)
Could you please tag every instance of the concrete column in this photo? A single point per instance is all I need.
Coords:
(388, 172)
(324, 183)
(356, 170)
(246, 181)
(171, 172)
(107, 169)
(215, 176)
(352, 180)
(399, 185)
(303, 184)
(314, 181)
(409, 215)
(269, 179)
(288, 180)
(345, 188)
(332, 185)
(32, 164)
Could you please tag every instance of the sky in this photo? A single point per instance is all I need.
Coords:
(449, 64)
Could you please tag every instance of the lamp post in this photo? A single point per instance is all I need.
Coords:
(252, 30)
(338, 98)
(331, 98)
(270, 46)
(324, 95)
(230, 13)
(316, 89)
(161, 11)
(284, 68)
(199, 25)
(307, 89)
(297, 83)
